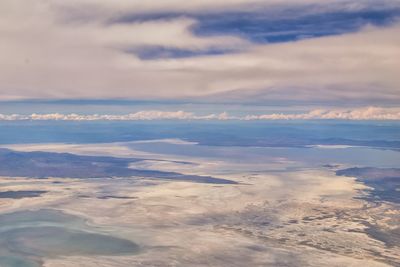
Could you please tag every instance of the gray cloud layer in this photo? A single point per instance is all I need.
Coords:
(52, 49)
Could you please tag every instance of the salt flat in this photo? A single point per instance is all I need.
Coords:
(269, 218)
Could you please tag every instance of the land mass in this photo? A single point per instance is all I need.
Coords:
(64, 165)
(385, 182)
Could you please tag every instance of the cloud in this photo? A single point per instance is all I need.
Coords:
(352, 67)
(104, 7)
(60, 50)
(140, 115)
(367, 113)
(283, 24)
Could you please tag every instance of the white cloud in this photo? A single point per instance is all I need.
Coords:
(140, 115)
(367, 113)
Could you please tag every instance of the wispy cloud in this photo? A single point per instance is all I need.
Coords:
(367, 113)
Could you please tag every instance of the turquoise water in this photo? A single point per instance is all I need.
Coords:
(27, 237)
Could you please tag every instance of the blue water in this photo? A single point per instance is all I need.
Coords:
(238, 133)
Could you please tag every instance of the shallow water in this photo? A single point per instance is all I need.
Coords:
(26, 237)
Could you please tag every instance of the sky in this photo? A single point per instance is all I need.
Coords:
(247, 57)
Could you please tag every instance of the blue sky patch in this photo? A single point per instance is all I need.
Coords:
(261, 27)
(283, 24)
(154, 52)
